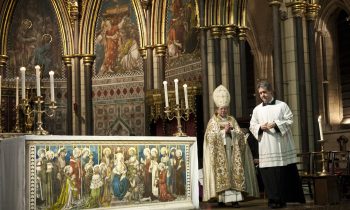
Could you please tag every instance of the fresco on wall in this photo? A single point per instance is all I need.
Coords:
(182, 37)
(108, 175)
(34, 40)
(117, 48)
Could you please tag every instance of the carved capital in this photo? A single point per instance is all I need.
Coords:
(298, 7)
(160, 49)
(3, 60)
(312, 11)
(242, 35)
(143, 52)
(215, 31)
(67, 60)
(88, 59)
(230, 30)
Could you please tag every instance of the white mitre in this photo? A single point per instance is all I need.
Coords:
(221, 96)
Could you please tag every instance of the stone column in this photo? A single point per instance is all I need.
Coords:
(67, 60)
(88, 61)
(230, 33)
(298, 8)
(216, 34)
(77, 80)
(243, 65)
(277, 49)
(160, 52)
(311, 13)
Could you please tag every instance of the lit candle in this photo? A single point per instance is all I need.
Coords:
(51, 73)
(17, 91)
(165, 83)
(176, 81)
(0, 90)
(37, 73)
(320, 127)
(186, 97)
(23, 80)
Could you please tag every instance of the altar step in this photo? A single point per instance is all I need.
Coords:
(261, 204)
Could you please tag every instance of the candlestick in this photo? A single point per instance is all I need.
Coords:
(165, 83)
(17, 91)
(320, 127)
(51, 73)
(186, 97)
(176, 81)
(37, 71)
(23, 78)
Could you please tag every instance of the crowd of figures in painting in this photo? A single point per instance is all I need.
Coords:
(100, 176)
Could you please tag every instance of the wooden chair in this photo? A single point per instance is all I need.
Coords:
(340, 167)
(304, 168)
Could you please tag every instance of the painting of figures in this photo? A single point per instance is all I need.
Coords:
(107, 175)
(117, 47)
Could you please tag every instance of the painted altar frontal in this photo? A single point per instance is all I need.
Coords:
(99, 172)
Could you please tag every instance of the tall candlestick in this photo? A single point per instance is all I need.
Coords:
(23, 80)
(186, 97)
(176, 81)
(165, 83)
(17, 91)
(37, 71)
(320, 127)
(51, 73)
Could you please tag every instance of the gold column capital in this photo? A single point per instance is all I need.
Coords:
(160, 49)
(312, 11)
(298, 7)
(242, 35)
(215, 31)
(230, 30)
(67, 59)
(3, 60)
(88, 59)
(143, 52)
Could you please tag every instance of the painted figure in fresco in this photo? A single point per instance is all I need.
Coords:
(154, 169)
(111, 46)
(41, 176)
(68, 192)
(95, 186)
(171, 169)
(164, 195)
(133, 166)
(147, 174)
(106, 193)
(49, 178)
(165, 159)
(59, 164)
(88, 173)
(180, 173)
(120, 182)
(84, 160)
(25, 43)
(75, 163)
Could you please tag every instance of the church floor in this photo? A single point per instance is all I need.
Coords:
(261, 204)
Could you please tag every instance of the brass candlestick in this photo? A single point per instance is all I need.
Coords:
(29, 117)
(324, 171)
(17, 128)
(50, 112)
(179, 114)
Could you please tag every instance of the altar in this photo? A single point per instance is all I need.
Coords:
(99, 172)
